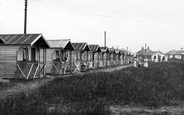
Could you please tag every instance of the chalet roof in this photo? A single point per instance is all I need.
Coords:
(61, 44)
(94, 48)
(147, 52)
(117, 51)
(123, 50)
(81, 46)
(104, 49)
(24, 39)
(111, 50)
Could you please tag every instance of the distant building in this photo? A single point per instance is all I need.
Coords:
(156, 56)
(175, 54)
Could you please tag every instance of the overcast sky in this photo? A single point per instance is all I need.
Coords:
(128, 23)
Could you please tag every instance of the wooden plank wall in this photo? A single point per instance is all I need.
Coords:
(49, 56)
(8, 61)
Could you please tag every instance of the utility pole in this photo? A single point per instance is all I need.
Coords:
(25, 17)
(104, 38)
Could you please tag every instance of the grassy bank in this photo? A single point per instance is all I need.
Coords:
(162, 84)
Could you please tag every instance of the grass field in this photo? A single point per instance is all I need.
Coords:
(161, 85)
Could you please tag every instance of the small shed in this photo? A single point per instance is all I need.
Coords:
(80, 56)
(59, 56)
(20, 55)
(124, 56)
(117, 57)
(111, 56)
(94, 55)
(105, 57)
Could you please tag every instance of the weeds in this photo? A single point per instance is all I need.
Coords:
(159, 85)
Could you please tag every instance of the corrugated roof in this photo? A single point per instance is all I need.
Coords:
(81, 46)
(23, 39)
(94, 48)
(104, 49)
(61, 44)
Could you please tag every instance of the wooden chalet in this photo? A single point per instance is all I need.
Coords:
(122, 55)
(20, 55)
(111, 56)
(59, 56)
(125, 56)
(80, 56)
(94, 56)
(117, 57)
(105, 56)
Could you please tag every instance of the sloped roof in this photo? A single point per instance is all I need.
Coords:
(123, 50)
(104, 49)
(179, 52)
(111, 50)
(117, 51)
(172, 52)
(94, 48)
(61, 44)
(159, 52)
(81, 46)
(145, 52)
(23, 39)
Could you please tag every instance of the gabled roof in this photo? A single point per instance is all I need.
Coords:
(104, 49)
(122, 50)
(111, 50)
(81, 46)
(145, 52)
(24, 39)
(117, 51)
(61, 44)
(94, 48)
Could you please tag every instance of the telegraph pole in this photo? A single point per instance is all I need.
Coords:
(25, 17)
(104, 38)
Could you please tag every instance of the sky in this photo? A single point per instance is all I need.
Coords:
(128, 23)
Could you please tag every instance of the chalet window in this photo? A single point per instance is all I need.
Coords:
(25, 54)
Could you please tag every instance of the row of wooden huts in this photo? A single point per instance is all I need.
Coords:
(31, 56)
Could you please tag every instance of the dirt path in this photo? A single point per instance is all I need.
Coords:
(34, 84)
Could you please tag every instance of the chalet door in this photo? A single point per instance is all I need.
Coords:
(33, 54)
